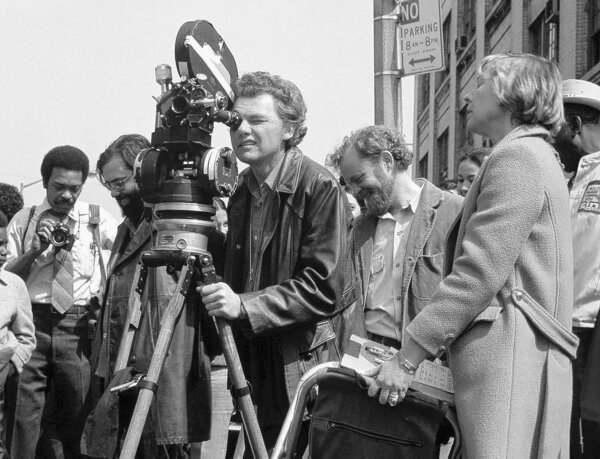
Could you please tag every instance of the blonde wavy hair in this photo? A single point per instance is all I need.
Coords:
(528, 86)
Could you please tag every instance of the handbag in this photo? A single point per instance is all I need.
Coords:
(347, 423)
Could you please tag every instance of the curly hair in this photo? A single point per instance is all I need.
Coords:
(67, 157)
(528, 86)
(289, 102)
(11, 200)
(3, 220)
(126, 147)
(370, 142)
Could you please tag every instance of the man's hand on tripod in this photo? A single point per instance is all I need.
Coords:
(221, 301)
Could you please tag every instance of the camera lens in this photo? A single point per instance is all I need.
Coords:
(59, 238)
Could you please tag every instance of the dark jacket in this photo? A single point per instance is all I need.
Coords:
(423, 262)
(182, 411)
(300, 292)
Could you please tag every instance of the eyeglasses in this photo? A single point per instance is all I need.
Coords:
(115, 185)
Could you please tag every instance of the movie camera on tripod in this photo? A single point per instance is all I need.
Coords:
(181, 173)
(178, 177)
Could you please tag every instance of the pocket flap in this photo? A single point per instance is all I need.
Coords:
(489, 314)
(350, 295)
(323, 333)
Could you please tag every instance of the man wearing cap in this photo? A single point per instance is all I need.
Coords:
(578, 145)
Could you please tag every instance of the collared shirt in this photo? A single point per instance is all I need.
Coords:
(262, 196)
(585, 226)
(17, 333)
(87, 278)
(384, 310)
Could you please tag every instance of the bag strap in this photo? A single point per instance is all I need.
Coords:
(31, 212)
(94, 220)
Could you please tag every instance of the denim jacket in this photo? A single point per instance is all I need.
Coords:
(182, 411)
(423, 263)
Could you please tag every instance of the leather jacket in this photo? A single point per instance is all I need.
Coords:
(300, 294)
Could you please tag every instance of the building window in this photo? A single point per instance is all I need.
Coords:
(423, 166)
(469, 10)
(543, 33)
(423, 81)
(594, 24)
(441, 76)
(442, 149)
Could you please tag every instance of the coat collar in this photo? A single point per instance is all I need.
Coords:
(525, 130)
(124, 247)
(289, 173)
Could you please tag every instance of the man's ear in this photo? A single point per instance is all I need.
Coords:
(288, 132)
(388, 160)
(575, 124)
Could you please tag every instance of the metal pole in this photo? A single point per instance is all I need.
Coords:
(387, 97)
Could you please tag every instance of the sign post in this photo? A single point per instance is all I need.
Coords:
(419, 35)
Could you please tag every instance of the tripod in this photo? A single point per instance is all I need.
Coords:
(188, 264)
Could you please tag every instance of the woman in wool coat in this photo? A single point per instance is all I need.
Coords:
(503, 311)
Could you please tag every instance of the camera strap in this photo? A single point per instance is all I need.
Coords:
(31, 212)
(94, 221)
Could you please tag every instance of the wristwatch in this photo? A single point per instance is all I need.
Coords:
(407, 365)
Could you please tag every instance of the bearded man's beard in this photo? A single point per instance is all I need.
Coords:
(131, 206)
(378, 201)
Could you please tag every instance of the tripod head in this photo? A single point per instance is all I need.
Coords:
(181, 173)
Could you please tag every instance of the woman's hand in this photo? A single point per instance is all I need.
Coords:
(391, 381)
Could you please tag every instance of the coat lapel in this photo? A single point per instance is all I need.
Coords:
(365, 234)
(139, 240)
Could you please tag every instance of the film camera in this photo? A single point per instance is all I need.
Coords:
(61, 236)
(181, 173)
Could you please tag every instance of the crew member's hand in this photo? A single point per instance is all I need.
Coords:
(221, 301)
(390, 381)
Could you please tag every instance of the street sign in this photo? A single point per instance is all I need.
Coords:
(419, 37)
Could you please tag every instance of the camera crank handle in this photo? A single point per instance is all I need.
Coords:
(209, 275)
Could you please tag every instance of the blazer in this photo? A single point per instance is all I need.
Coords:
(504, 308)
(423, 263)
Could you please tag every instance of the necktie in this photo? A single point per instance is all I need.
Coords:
(62, 283)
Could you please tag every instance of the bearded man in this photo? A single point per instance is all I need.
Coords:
(181, 412)
(399, 241)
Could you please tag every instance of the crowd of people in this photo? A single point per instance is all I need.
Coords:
(498, 278)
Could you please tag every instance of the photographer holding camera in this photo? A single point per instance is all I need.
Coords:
(56, 248)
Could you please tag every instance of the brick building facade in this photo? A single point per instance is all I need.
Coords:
(567, 31)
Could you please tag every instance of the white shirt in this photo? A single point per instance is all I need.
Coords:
(87, 277)
(585, 225)
(383, 309)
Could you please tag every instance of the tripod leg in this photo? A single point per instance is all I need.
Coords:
(241, 391)
(149, 385)
(134, 313)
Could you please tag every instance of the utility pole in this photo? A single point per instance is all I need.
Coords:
(388, 84)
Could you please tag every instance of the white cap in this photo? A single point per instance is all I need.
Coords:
(581, 92)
